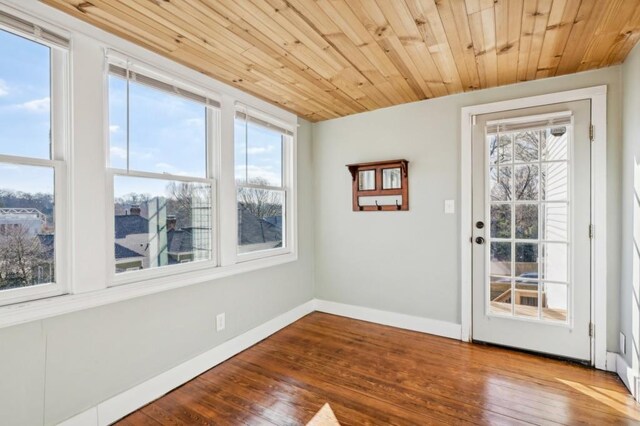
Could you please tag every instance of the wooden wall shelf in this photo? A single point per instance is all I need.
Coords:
(380, 185)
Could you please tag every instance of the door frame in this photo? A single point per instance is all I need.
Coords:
(598, 97)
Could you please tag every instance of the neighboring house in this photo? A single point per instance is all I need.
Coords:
(31, 220)
(258, 234)
(136, 247)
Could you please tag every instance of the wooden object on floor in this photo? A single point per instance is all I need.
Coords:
(374, 374)
(328, 59)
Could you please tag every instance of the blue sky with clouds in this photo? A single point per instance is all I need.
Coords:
(24, 112)
(167, 133)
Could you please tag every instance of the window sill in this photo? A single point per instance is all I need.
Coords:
(34, 310)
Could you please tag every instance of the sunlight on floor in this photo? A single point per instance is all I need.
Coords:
(324, 417)
(616, 400)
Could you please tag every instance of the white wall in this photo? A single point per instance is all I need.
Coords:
(54, 368)
(630, 254)
(408, 262)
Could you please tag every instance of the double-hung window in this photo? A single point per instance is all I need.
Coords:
(263, 173)
(33, 144)
(161, 143)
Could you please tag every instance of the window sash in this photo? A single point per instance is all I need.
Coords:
(262, 123)
(59, 121)
(210, 140)
(138, 76)
(211, 121)
(128, 277)
(32, 31)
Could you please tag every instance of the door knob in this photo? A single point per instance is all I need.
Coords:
(479, 224)
(479, 240)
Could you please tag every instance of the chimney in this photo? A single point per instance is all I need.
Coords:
(135, 210)
(171, 222)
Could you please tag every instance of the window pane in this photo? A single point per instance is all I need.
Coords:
(526, 260)
(500, 295)
(118, 122)
(500, 183)
(258, 154)
(501, 221)
(554, 302)
(27, 226)
(160, 222)
(500, 148)
(260, 219)
(167, 133)
(555, 146)
(25, 97)
(526, 299)
(555, 223)
(527, 146)
(527, 221)
(501, 259)
(555, 181)
(526, 182)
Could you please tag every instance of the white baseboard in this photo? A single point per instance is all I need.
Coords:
(126, 402)
(629, 377)
(612, 362)
(408, 322)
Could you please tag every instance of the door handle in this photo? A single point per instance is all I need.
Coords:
(479, 240)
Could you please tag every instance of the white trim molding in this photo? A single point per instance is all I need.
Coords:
(393, 319)
(629, 377)
(138, 396)
(598, 97)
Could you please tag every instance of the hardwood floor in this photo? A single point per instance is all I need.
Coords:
(373, 374)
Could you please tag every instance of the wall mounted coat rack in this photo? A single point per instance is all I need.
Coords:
(380, 185)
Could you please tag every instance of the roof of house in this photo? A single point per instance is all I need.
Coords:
(130, 224)
(179, 241)
(125, 253)
(253, 230)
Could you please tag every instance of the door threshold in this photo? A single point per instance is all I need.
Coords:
(584, 363)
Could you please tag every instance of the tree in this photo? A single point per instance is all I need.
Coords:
(521, 182)
(20, 255)
(260, 202)
(183, 198)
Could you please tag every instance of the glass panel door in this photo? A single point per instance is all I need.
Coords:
(529, 206)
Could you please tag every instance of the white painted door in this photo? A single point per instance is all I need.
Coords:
(531, 229)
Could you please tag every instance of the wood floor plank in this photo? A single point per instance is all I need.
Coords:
(374, 374)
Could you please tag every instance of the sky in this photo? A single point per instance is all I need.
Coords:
(166, 135)
(24, 112)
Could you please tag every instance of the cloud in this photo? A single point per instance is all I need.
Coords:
(114, 128)
(259, 150)
(118, 152)
(4, 89)
(36, 105)
(258, 172)
(194, 122)
(165, 166)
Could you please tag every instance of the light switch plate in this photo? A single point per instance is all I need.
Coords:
(449, 206)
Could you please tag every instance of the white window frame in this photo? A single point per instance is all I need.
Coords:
(88, 284)
(60, 146)
(212, 138)
(287, 187)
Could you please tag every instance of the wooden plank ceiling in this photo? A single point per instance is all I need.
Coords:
(329, 58)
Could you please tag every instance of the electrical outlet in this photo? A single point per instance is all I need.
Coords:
(623, 344)
(220, 322)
